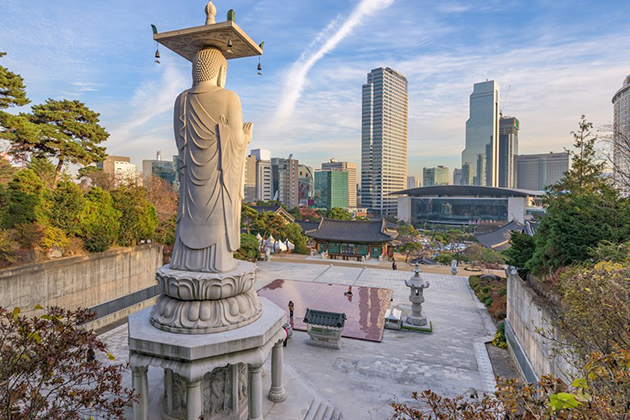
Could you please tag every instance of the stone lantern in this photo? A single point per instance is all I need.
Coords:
(416, 286)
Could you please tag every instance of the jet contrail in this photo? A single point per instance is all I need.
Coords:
(297, 76)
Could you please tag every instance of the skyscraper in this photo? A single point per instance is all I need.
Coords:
(250, 179)
(457, 176)
(412, 182)
(264, 189)
(351, 168)
(482, 136)
(284, 176)
(331, 189)
(508, 151)
(435, 176)
(621, 133)
(383, 140)
(535, 172)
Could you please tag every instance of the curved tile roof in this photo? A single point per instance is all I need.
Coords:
(351, 231)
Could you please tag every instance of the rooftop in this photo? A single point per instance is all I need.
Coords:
(324, 318)
(466, 191)
(366, 231)
(500, 238)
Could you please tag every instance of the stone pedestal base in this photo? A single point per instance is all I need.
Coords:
(199, 303)
(214, 375)
(420, 321)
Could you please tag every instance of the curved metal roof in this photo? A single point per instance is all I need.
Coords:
(466, 191)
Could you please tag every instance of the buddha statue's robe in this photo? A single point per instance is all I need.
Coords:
(212, 147)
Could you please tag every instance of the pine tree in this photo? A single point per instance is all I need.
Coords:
(70, 132)
(12, 89)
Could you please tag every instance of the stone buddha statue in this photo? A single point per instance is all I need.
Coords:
(212, 144)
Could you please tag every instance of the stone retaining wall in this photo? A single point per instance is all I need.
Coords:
(86, 281)
(527, 315)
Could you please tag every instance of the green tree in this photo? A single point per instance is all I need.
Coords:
(293, 232)
(249, 216)
(13, 93)
(407, 233)
(7, 171)
(69, 132)
(522, 247)
(339, 214)
(586, 169)
(99, 221)
(269, 223)
(25, 200)
(249, 248)
(575, 223)
(44, 169)
(138, 217)
(67, 203)
(12, 89)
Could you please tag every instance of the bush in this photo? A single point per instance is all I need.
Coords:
(67, 202)
(138, 217)
(249, 248)
(99, 221)
(25, 200)
(54, 237)
(488, 302)
(499, 339)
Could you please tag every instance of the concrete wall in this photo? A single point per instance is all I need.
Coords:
(527, 315)
(85, 281)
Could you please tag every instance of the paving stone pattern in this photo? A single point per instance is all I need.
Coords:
(364, 377)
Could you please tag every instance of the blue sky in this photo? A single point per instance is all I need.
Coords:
(560, 58)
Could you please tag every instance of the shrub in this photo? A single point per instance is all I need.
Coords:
(53, 237)
(488, 302)
(67, 202)
(499, 339)
(99, 221)
(25, 200)
(249, 248)
(138, 217)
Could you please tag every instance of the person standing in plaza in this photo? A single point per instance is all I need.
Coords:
(291, 308)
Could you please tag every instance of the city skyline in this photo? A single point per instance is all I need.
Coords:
(557, 68)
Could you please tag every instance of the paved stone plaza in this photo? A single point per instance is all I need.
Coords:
(363, 377)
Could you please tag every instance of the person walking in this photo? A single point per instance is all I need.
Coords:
(394, 267)
(291, 308)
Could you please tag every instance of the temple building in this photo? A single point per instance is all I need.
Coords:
(351, 239)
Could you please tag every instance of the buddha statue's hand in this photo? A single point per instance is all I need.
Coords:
(248, 129)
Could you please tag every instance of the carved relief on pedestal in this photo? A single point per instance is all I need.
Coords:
(217, 392)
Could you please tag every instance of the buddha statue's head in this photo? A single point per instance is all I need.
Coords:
(210, 66)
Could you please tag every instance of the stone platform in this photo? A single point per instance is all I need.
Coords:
(213, 374)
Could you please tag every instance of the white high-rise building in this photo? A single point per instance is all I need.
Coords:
(383, 140)
(481, 154)
(412, 182)
(621, 132)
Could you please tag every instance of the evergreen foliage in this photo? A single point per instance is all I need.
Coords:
(25, 202)
(138, 218)
(99, 221)
(70, 132)
(339, 214)
(67, 203)
(12, 89)
(249, 248)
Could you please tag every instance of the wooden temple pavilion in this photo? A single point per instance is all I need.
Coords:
(352, 239)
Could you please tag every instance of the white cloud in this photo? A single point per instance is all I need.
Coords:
(296, 79)
(149, 116)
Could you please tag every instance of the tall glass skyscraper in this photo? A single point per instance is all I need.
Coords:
(508, 151)
(383, 140)
(621, 132)
(482, 136)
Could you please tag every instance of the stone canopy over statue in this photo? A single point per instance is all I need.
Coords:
(212, 144)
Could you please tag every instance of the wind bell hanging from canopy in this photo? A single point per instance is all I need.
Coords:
(157, 45)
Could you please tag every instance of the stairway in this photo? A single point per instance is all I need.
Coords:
(321, 410)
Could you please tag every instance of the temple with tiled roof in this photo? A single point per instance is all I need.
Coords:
(351, 239)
